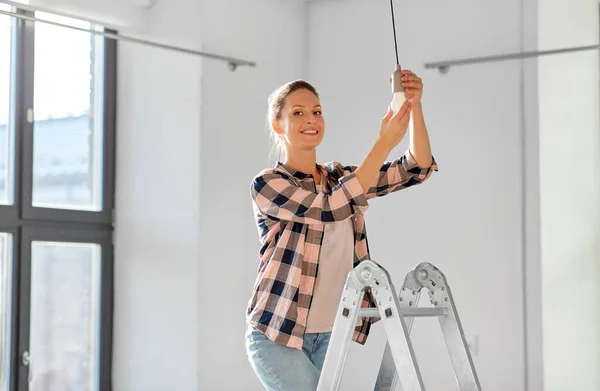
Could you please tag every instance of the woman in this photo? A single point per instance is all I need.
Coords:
(310, 219)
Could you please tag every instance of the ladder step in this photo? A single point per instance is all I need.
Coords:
(407, 311)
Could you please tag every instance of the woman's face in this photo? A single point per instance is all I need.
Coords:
(301, 123)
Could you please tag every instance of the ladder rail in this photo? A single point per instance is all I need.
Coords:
(398, 343)
(456, 342)
(387, 378)
(341, 335)
(426, 276)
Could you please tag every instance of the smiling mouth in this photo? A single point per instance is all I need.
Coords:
(310, 132)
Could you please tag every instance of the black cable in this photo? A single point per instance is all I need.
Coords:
(394, 27)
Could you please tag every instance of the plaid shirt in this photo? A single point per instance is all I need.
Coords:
(290, 217)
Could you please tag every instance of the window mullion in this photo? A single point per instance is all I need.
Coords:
(24, 109)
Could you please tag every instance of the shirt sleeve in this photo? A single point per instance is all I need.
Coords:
(397, 175)
(278, 197)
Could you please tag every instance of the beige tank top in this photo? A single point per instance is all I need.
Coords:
(335, 262)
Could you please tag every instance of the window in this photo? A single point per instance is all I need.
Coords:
(68, 323)
(57, 147)
(67, 135)
(64, 312)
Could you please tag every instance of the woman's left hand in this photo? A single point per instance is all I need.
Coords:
(413, 86)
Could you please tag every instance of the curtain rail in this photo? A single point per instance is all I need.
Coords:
(233, 62)
(443, 66)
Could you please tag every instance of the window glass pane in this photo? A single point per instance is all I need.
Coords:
(5, 309)
(65, 308)
(6, 103)
(67, 161)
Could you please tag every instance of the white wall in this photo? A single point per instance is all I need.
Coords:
(234, 149)
(158, 212)
(570, 192)
(468, 219)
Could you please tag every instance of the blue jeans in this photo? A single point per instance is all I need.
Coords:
(280, 368)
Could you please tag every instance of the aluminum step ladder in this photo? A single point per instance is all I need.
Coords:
(397, 313)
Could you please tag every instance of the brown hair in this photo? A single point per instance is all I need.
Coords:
(276, 102)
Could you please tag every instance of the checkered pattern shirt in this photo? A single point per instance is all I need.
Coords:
(290, 217)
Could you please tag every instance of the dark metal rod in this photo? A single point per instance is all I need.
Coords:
(394, 29)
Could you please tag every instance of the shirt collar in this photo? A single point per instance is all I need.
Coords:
(299, 174)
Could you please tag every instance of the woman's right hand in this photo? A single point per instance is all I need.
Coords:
(392, 131)
(393, 126)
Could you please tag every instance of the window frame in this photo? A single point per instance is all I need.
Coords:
(27, 223)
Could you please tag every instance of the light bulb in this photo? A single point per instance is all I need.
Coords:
(398, 93)
(397, 89)
(397, 101)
